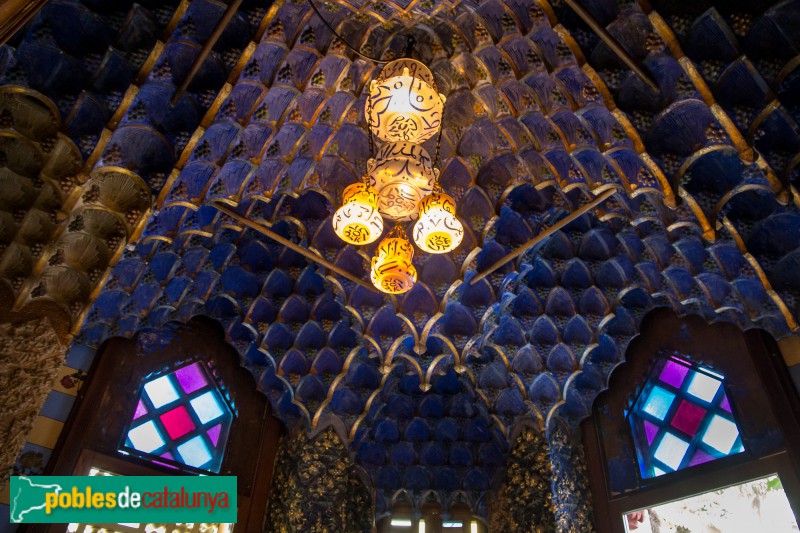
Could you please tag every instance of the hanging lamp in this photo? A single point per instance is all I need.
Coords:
(437, 230)
(404, 104)
(392, 270)
(358, 221)
(403, 109)
(402, 175)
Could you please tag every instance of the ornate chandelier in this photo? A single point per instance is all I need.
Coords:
(403, 110)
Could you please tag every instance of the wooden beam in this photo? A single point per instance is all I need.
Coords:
(612, 43)
(311, 256)
(544, 234)
(14, 14)
(207, 47)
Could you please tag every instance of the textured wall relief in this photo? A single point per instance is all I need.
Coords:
(316, 488)
(524, 503)
(571, 496)
(30, 356)
(545, 488)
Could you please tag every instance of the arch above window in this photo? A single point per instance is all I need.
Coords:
(681, 417)
(181, 418)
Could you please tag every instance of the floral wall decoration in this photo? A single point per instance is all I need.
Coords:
(316, 488)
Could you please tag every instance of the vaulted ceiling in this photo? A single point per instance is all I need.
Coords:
(108, 192)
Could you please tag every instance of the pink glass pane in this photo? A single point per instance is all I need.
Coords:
(213, 434)
(688, 417)
(674, 373)
(140, 410)
(724, 403)
(650, 430)
(191, 378)
(177, 422)
(700, 457)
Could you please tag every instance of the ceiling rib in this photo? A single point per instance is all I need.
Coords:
(544, 234)
(612, 43)
(207, 47)
(293, 246)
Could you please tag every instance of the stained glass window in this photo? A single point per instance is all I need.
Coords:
(682, 418)
(181, 418)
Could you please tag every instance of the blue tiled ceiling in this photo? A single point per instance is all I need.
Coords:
(429, 385)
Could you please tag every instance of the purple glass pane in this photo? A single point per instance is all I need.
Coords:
(700, 457)
(688, 417)
(650, 430)
(142, 410)
(674, 373)
(725, 404)
(167, 455)
(213, 434)
(191, 378)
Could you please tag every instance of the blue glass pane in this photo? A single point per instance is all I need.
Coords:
(671, 450)
(658, 402)
(194, 452)
(146, 438)
(721, 434)
(703, 387)
(207, 407)
(161, 391)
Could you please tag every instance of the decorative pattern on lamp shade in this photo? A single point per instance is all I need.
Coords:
(438, 231)
(357, 221)
(403, 103)
(392, 271)
(402, 174)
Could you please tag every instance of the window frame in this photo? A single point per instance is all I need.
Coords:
(755, 371)
(214, 385)
(636, 415)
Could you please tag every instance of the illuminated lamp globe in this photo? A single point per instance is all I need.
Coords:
(403, 103)
(392, 271)
(438, 231)
(402, 175)
(358, 221)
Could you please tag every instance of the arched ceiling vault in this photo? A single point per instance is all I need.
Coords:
(427, 386)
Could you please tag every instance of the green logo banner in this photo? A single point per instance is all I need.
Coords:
(114, 499)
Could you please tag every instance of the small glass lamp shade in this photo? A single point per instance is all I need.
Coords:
(392, 271)
(403, 103)
(358, 221)
(438, 231)
(402, 175)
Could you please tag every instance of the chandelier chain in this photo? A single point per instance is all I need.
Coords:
(369, 125)
(438, 145)
(338, 36)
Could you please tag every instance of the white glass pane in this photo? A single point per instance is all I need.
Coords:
(161, 391)
(207, 407)
(671, 450)
(703, 387)
(146, 437)
(194, 452)
(721, 434)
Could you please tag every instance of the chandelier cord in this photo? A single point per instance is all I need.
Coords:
(358, 52)
(438, 147)
(369, 125)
